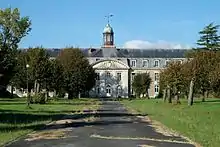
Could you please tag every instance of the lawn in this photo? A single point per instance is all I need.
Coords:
(16, 120)
(201, 122)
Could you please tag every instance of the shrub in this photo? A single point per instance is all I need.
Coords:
(39, 98)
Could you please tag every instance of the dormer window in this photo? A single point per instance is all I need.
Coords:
(167, 63)
(180, 61)
(133, 63)
(145, 63)
(156, 63)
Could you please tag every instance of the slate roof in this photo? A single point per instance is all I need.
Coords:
(127, 53)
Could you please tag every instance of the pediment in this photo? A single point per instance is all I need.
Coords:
(110, 64)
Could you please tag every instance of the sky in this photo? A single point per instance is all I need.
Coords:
(136, 23)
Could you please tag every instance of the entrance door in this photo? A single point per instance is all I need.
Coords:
(108, 91)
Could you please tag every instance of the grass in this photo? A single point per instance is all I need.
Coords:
(17, 120)
(201, 122)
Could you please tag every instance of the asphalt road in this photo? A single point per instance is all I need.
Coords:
(111, 126)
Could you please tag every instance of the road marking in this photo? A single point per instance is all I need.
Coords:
(138, 138)
(145, 145)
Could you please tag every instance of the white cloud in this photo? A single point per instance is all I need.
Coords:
(141, 44)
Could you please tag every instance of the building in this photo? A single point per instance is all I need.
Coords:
(116, 67)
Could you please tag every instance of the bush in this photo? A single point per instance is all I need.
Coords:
(39, 98)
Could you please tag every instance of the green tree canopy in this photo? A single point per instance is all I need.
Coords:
(209, 39)
(13, 28)
(79, 76)
(141, 84)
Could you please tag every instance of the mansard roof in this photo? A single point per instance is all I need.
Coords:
(127, 53)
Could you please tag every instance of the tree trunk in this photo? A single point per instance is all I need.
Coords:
(12, 95)
(28, 97)
(190, 96)
(164, 95)
(177, 98)
(46, 95)
(186, 95)
(207, 94)
(203, 95)
(169, 96)
(70, 95)
(54, 93)
(35, 86)
(79, 95)
(38, 88)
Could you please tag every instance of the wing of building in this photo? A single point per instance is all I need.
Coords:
(116, 67)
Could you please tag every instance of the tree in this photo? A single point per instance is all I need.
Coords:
(38, 59)
(174, 78)
(13, 28)
(37, 75)
(165, 86)
(213, 76)
(141, 84)
(55, 81)
(79, 76)
(209, 39)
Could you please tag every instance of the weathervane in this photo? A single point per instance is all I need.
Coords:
(108, 17)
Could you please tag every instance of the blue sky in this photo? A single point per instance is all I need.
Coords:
(142, 23)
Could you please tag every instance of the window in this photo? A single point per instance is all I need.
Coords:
(145, 63)
(156, 63)
(132, 76)
(180, 61)
(119, 76)
(133, 63)
(108, 74)
(97, 59)
(97, 76)
(119, 90)
(156, 89)
(156, 77)
(167, 62)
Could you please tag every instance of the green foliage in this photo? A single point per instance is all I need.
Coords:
(141, 84)
(209, 40)
(200, 123)
(39, 98)
(79, 76)
(17, 120)
(13, 28)
(56, 78)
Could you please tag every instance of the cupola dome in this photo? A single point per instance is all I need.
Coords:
(108, 29)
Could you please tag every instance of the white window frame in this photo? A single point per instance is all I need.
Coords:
(119, 76)
(155, 63)
(108, 89)
(181, 61)
(156, 76)
(147, 61)
(135, 63)
(156, 88)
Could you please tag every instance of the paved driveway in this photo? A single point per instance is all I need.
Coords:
(111, 126)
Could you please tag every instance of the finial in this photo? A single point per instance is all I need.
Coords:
(108, 17)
